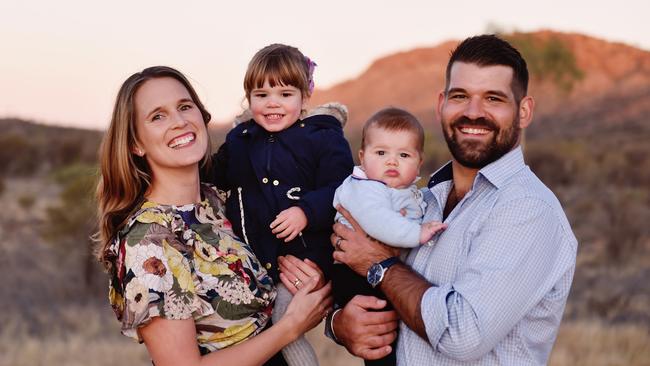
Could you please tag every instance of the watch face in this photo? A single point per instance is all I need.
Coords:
(374, 274)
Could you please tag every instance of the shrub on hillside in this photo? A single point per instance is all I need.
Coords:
(548, 59)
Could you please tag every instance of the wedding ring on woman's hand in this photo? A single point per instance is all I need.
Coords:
(296, 283)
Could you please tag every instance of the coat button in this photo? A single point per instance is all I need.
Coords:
(244, 131)
(275, 182)
(265, 180)
(268, 266)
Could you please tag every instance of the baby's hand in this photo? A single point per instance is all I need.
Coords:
(429, 229)
(289, 223)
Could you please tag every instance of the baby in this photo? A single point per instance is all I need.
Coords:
(381, 193)
(382, 196)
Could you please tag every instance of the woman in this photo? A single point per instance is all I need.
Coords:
(181, 282)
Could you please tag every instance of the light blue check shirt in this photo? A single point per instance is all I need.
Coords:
(501, 272)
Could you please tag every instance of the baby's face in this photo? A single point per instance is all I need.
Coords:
(391, 157)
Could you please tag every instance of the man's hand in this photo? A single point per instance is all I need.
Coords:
(355, 248)
(365, 333)
(289, 223)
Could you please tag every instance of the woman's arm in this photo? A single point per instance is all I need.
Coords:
(173, 342)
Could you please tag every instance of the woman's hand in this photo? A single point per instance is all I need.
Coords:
(294, 273)
(308, 307)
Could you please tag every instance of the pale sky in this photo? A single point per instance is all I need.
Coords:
(62, 61)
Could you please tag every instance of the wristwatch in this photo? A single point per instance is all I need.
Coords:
(377, 271)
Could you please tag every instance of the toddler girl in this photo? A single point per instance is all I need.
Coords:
(282, 172)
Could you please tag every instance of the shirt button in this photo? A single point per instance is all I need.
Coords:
(265, 180)
(302, 125)
(275, 182)
(268, 266)
(244, 131)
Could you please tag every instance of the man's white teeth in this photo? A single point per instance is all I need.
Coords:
(474, 131)
(181, 140)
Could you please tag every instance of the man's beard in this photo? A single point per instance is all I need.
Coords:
(477, 154)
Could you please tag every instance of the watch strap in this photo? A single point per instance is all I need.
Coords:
(386, 263)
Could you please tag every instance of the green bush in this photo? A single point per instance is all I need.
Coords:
(550, 60)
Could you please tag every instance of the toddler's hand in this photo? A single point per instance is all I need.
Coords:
(429, 229)
(289, 223)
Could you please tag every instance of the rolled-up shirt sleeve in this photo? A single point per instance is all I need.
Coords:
(511, 263)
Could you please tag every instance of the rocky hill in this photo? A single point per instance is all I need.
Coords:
(581, 84)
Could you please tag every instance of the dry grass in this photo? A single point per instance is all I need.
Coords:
(90, 336)
(80, 336)
(596, 344)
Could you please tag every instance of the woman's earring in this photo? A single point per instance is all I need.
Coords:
(138, 151)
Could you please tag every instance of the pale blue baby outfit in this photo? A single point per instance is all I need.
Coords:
(377, 208)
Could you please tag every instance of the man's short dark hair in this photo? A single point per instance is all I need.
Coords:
(490, 50)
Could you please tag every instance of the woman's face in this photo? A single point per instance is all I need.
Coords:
(170, 129)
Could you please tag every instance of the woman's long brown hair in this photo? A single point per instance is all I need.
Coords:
(125, 176)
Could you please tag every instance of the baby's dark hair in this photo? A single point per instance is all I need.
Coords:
(279, 64)
(394, 119)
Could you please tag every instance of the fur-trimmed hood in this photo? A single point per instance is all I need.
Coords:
(334, 109)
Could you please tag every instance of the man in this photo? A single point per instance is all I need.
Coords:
(493, 287)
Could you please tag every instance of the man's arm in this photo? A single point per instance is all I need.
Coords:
(516, 259)
(402, 286)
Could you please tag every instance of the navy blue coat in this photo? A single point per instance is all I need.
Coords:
(270, 172)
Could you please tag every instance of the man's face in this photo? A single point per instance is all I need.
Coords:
(479, 114)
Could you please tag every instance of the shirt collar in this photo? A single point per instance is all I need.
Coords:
(441, 175)
(358, 173)
(497, 172)
(500, 171)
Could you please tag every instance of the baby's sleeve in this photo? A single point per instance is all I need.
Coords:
(369, 203)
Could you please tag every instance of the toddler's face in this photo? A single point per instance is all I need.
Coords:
(391, 157)
(276, 108)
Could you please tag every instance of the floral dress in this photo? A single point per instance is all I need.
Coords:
(181, 262)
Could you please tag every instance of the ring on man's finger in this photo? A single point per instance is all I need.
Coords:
(296, 283)
(338, 244)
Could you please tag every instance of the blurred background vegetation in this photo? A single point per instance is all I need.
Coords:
(54, 294)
